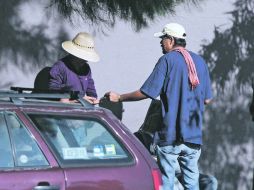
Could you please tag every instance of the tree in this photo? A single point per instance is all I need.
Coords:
(232, 49)
(21, 46)
(138, 12)
(228, 137)
(30, 48)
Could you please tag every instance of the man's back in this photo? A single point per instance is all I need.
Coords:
(183, 105)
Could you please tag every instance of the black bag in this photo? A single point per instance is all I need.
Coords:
(41, 82)
(147, 133)
(115, 107)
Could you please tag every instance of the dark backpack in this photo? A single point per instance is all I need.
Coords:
(41, 82)
(147, 133)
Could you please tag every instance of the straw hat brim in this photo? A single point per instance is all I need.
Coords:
(88, 54)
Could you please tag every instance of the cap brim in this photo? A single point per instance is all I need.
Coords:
(86, 54)
(158, 34)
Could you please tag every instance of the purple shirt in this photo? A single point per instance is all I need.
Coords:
(63, 78)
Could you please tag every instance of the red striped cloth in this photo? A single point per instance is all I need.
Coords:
(193, 77)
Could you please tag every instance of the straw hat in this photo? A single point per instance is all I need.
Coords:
(172, 29)
(82, 46)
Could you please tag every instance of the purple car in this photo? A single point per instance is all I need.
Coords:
(49, 145)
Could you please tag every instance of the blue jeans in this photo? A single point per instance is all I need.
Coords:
(206, 182)
(187, 157)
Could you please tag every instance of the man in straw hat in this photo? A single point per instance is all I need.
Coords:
(73, 72)
(182, 81)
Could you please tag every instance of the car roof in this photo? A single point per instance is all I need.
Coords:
(19, 96)
(41, 100)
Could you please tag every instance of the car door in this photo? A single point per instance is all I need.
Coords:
(92, 154)
(23, 166)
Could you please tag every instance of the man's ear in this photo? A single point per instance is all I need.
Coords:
(172, 41)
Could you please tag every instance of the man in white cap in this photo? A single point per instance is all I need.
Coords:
(72, 73)
(181, 79)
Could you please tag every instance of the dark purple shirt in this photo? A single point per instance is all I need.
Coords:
(63, 78)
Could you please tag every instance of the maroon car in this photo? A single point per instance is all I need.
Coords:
(49, 145)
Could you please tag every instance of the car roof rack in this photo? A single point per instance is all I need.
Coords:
(17, 94)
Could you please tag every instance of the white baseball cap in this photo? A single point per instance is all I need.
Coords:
(172, 29)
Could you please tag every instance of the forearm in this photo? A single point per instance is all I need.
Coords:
(132, 96)
(56, 80)
(55, 85)
(91, 90)
(92, 93)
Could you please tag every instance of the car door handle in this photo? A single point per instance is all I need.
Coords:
(48, 187)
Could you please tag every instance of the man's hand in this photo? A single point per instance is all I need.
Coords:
(67, 100)
(92, 100)
(113, 96)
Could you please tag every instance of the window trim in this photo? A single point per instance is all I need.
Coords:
(130, 160)
(11, 144)
(16, 166)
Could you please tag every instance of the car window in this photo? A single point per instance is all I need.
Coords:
(26, 150)
(78, 141)
(6, 158)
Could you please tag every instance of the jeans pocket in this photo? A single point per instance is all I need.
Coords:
(169, 149)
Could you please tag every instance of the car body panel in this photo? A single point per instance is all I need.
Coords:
(137, 174)
(134, 175)
(121, 178)
(27, 179)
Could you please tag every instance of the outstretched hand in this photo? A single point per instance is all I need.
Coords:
(112, 96)
(92, 100)
(67, 100)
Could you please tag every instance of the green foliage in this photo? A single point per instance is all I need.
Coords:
(138, 12)
(228, 137)
(30, 48)
(27, 48)
(232, 49)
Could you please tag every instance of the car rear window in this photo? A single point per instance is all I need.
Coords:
(80, 141)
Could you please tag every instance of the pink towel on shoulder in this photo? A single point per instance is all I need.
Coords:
(193, 77)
